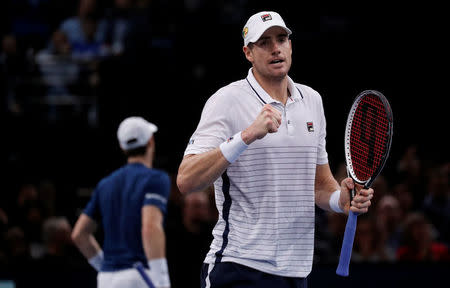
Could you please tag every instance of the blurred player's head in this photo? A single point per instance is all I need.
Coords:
(267, 45)
(135, 134)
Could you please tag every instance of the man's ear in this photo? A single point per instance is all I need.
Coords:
(248, 53)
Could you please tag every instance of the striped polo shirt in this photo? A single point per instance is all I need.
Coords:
(265, 198)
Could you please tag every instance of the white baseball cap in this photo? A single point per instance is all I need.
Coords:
(134, 132)
(258, 23)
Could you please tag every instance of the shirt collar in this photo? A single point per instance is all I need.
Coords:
(265, 97)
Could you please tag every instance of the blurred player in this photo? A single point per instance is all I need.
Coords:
(130, 203)
(261, 140)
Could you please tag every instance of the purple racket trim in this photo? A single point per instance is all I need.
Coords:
(347, 245)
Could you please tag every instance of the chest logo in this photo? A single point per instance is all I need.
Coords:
(310, 126)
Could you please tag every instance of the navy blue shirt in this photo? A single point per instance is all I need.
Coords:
(117, 202)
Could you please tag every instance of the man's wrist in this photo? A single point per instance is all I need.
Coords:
(97, 261)
(159, 272)
(247, 136)
(334, 201)
(233, 147)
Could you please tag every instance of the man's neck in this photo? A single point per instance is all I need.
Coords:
(140, 159)
(276, 88)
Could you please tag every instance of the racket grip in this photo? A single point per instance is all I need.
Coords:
(140, 268)
(347, 244)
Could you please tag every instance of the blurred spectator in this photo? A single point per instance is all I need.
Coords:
(26, 193)
(118, 23)
(410, 163)
(56, 233)
(197, 213)
(388, 224)
(61, 258)
(436, 204)
(367, 247)
(381, 186)
(17, 249)
(411, 172)
(29, 215)
(13, 68)
(59, 72)
(402, 192)
(418, 243)
(85, 32)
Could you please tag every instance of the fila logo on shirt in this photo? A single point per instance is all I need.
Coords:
(266, 17)
(310, 126)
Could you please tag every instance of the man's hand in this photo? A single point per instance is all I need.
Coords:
(267, 121)
(360, 203)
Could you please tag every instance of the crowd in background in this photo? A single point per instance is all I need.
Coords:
(70, 70)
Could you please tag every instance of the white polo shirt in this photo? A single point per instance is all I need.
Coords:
(265, 198)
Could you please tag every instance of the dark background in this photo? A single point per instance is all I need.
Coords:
(337, 50)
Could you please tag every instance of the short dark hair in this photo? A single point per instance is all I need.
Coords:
(138, 151)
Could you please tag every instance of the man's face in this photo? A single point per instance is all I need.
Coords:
(271, 55)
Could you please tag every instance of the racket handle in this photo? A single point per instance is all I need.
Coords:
(140, 268)
(347, 244)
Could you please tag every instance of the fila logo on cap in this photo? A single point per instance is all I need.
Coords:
(266, 17)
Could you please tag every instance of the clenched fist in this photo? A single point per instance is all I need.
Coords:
(267, 121)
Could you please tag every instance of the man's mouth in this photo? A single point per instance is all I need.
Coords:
(276, 61)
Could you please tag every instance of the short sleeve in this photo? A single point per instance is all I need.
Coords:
(92, 208)
(157, 190)
(322, 155)
(214, 126)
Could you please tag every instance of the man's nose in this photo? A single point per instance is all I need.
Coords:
(275, 47)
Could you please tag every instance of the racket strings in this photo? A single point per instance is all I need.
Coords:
(369, 135)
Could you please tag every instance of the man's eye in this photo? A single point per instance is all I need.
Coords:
(263, 43)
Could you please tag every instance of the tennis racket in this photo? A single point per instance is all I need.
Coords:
(368, 137)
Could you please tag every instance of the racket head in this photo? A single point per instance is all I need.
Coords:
(368, 136)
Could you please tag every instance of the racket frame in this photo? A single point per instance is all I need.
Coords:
(348, 156)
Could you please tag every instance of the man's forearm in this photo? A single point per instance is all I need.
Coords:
(199, 171)
(88, 246)
(155, 243)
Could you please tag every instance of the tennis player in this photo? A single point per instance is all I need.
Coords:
(261, 141)
(130, 203)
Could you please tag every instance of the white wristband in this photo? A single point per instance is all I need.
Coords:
(97, 261)
(233, 147)
(334, 201)
(159, 272)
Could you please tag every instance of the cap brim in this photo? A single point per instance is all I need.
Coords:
(258, 35)
(153, 128)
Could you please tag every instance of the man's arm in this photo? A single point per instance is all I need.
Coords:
(153, 236)
(154, 242)
(196, 172)
(326, 185)
(82, 236)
